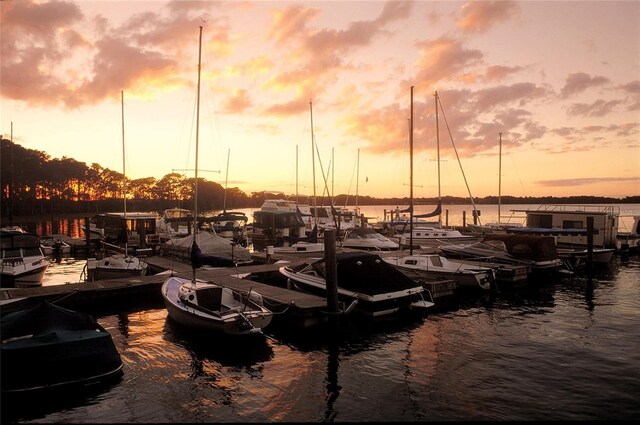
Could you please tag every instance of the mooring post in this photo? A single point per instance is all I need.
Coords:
(87, 234)
(464, 219)
(332, 269)
(446, 218)
(589, 243)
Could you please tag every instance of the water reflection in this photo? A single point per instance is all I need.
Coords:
(223, 349)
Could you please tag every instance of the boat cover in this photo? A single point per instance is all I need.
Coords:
(527, 247)
(210, 244)
(367, 273)
(44, 318)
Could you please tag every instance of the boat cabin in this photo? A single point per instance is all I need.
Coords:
(271, 227)
(605, 223)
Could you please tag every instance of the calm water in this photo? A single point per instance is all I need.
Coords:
(565, 350)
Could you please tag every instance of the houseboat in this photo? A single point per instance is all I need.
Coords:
(568, 217)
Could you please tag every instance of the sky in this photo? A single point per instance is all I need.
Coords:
(536, 98)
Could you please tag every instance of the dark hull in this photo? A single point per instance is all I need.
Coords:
(59, 359)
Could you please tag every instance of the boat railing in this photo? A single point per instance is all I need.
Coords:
(609, 209)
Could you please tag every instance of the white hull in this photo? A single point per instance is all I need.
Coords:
(223, 320)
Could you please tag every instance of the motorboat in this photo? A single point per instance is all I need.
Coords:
(230, 225)
(367, 285)
(54, 246)
(537, 252)
(221, 251)
(47, 347)
(174, 223)
(432, 237)
(23, 262)
(271, 227)
(207, 306)
(580, 256)
(434, 266)
(114, 266)
(306, 247)
(367, 239)
(299, 249)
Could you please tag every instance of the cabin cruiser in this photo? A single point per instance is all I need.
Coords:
(367, 285)
(23, 262)
(423, 267)
(367, 239)
(174, 223)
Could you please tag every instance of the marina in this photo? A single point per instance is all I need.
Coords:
(559, 335)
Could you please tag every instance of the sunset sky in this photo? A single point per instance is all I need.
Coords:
(559, 79)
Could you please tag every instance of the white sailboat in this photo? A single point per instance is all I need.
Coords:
(205, 305)
(420, 235)
(117, 264)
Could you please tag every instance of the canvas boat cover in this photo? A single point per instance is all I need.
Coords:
(209, 244)
(44, 318)
(367, 273)
(527, 247)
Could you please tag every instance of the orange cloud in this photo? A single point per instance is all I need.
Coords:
(479, 16)
(579, 82)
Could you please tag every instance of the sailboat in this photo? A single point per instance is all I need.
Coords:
(421, 235)
(203, 305)
(117, 264)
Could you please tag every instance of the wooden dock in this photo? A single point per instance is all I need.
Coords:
(300, 309)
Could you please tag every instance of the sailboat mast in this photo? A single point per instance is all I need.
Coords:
(313, 167)
(226, 181)
(499, 176)
(438, 157)
(124, 173)
(124, 178)
(411, 177)
(195, 193)
(357, 179)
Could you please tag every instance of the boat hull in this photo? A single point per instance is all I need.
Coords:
(229, 324)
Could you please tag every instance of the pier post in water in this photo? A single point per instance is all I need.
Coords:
(332, 270)
(589, 243)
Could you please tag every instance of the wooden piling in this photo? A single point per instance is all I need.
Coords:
(589, 264)
(332, 270)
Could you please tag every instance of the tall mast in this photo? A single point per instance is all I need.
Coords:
(313, 166)
(411, 177)
(438, 157)
(357, 179)
(195, 194)
(124, 174)
(226, 181)
(499, 176)
(124, 178)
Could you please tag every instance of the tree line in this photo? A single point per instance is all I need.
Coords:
(33, 183)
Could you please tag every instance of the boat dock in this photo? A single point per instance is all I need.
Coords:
(300, 308)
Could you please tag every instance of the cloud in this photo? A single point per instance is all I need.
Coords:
(444, 58)
(46, 61)
(579, 82)
(480, 16)
(237, 103)
(585, 181)
(599, 108)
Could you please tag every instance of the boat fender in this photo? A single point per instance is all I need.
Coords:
(92, 263)
(256, 298)
(351, 307)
